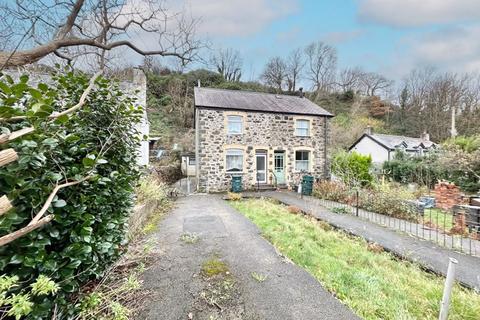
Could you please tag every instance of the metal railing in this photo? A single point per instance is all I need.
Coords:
(276, 179)
(457, 228)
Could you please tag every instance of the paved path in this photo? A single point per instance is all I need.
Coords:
(288, 292)
(426, 253)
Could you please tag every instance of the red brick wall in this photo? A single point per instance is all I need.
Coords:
(446, 195)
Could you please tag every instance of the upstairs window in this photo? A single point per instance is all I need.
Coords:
(235, 124)
(302, 160)
(234, 160)
(302, 128)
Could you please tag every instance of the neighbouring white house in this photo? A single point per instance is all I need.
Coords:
(382, 147)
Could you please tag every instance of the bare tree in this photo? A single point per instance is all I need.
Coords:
(350, 79)
(228, 63)
(322, 63)
(275, 73)
(295, 64)
(374, 82)
(78, 27)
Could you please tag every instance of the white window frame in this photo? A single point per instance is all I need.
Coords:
(234, 153)
(303, 161)
(234, 119)
(302, 131)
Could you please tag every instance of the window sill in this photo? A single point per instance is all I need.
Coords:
(236, 172)
(302, 136)
(234, 134)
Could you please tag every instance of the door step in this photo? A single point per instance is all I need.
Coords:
(270, 187)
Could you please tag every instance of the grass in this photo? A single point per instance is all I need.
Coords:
(259, 277)
(437, 217)
(189, 238)
(375, 285)
(213, 267)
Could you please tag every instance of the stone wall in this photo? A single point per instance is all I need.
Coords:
(262, 131)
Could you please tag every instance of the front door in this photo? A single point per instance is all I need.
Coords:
(279, 167)
(261, 160)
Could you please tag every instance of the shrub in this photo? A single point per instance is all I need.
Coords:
(423, 171)
(352, 168)
(330, 190)
(389, 200)
(88, 231)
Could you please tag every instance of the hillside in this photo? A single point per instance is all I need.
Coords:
(170, 111)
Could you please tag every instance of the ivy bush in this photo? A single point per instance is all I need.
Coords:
(100, 141)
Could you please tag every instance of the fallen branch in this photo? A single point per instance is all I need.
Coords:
(5, 205)
(80, 103)
(47, 203)
(21, 232)
(7, 137)
(7, 156)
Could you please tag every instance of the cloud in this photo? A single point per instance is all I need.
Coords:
(289, 35)
(338, 37)
(412, 13)
(452, 49)
(238, 17)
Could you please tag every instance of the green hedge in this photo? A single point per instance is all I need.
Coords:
(353, 168)
(88, 231)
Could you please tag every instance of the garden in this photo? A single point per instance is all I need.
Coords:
(373, 283)
(414, 189)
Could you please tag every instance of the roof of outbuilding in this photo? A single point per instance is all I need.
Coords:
(392, 142)
(256, 101)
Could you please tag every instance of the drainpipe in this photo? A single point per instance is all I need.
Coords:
(197, 147)
(325, 164)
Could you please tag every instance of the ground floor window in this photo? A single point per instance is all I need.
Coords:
(302, 160)
(234, 160)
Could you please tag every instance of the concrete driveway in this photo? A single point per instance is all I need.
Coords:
(259, 283)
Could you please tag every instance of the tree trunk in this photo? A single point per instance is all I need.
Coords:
(5, 205)
(7, 156)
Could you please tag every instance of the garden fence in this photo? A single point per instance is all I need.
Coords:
(457, 228)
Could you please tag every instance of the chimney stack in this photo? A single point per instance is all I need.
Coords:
(369, 130)
(425, 136)
(300, 92)
(198, 83)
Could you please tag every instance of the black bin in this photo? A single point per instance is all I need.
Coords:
(236, 184)
(307, 185)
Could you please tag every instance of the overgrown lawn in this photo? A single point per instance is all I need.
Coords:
(374, 285)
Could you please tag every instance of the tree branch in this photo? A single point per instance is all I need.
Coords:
(52, 195)
(20, 58)
(16, 134)
(21, 232)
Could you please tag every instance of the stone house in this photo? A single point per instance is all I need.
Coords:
(267, 139)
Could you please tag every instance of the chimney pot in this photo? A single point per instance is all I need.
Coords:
(425, 136)
(369, 130)
(300, 92)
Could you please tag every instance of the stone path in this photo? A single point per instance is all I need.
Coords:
(426, 253)
(179, 291)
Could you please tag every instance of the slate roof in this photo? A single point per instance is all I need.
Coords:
(256, 101)
(393, 142)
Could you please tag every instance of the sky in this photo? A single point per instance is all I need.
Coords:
(386, 36)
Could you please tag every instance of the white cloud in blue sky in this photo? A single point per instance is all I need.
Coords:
(388, 36)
